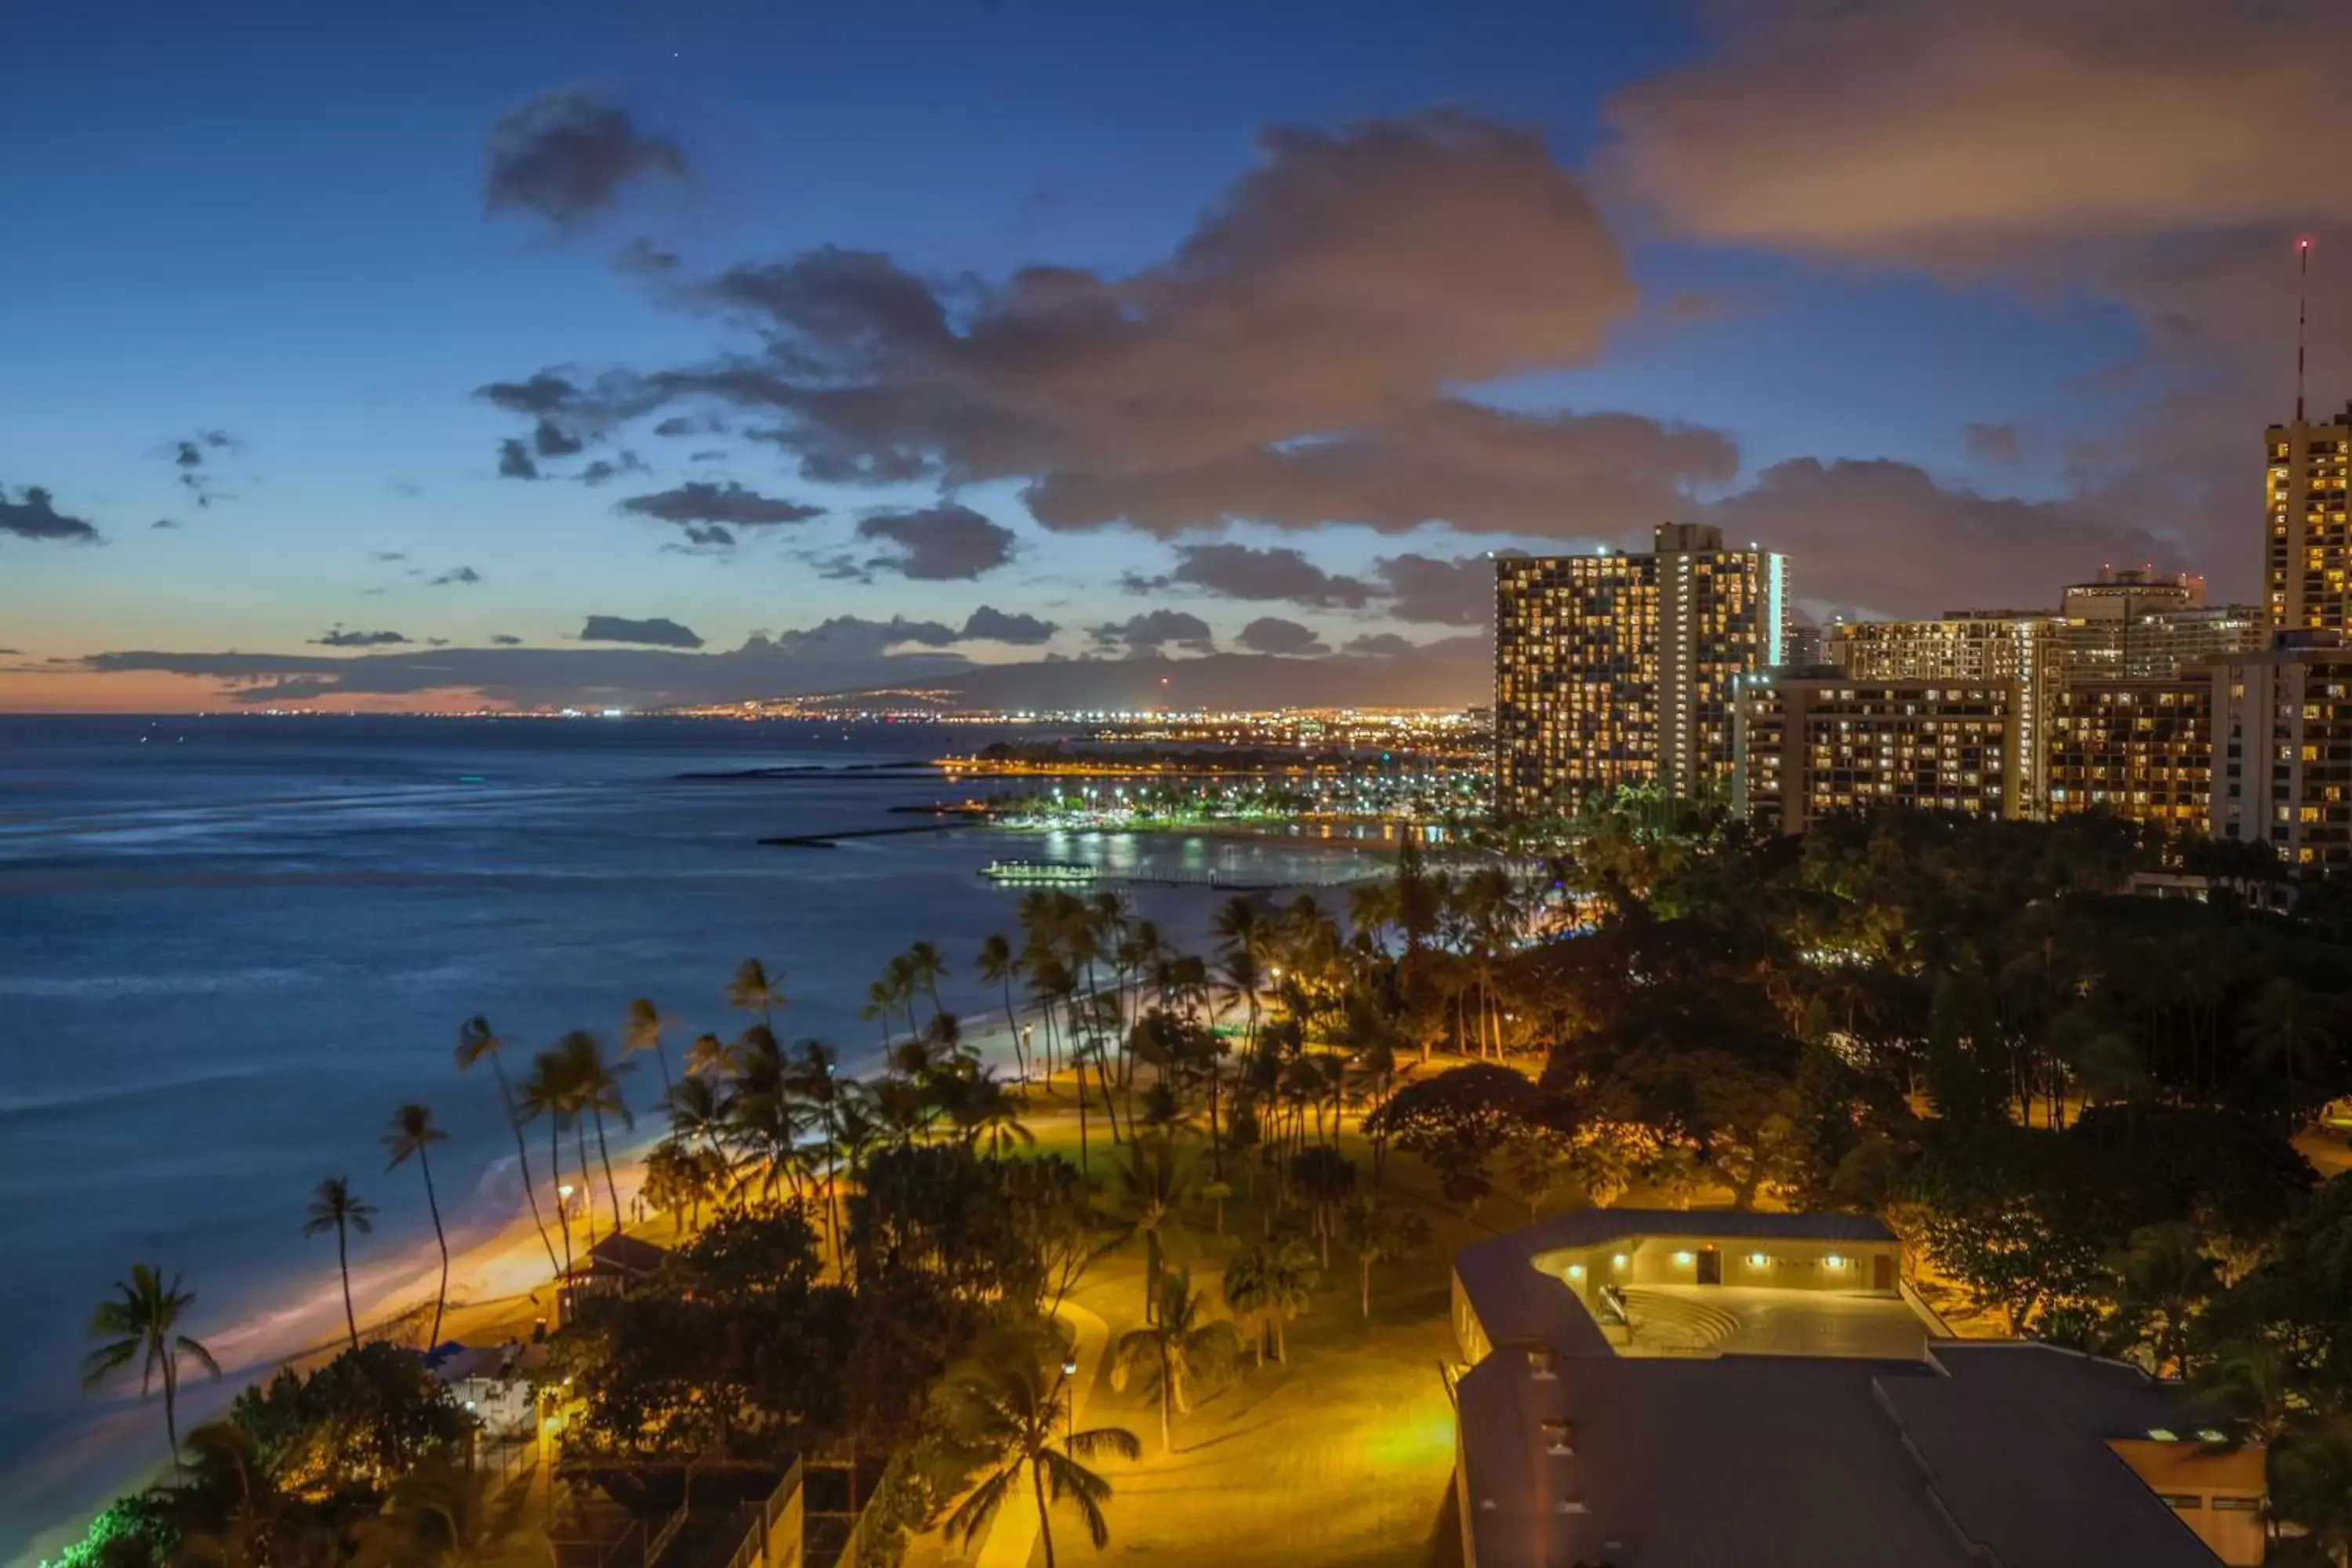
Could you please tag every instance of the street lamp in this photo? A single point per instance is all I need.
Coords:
(1070, 1402)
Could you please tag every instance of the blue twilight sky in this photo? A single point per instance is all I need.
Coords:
(1932, 364)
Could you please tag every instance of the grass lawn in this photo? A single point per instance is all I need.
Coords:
(1344, 1455)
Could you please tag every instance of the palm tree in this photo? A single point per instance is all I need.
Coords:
(1271, 1283)
(332, 1208)
(595, 1085)
(1180, 1346)
(442, 1514)
(709, 1056)
(143, 1324)
(997, 966)
(980, 1106)
(1153, 1184)
(2166, 1277)
(1021, 1420)
(752, 991)
(698, 1108)
(2290, 1028)
(546, 1093)
(476, 1042)
(881, 1001)
(643, 1032)
(413, 1134)
(926, 968)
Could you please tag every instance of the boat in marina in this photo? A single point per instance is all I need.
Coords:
(1039, 873)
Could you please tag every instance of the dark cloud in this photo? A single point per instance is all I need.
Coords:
(606, 469)
(1480, 469)
(505, 639)
(407, 490)
(544, 394)
(1156, 629)
(1289, 361)
(677, 425)
(658, 631)
(339, 637)
(566, 156)
(841, 655)
(1379, 645)
(938, 544)
(1459, 592)
(1994, 444)
(514, 461)
(163, 522)
(32, 514)
(704, 502)
(548, 439)
(192, 456)
(1885, 537)
(708, 535)
(705, 458)
(643, 255)
(455, 576)
(988, 624)
(1240, 572)
(387, 554)
(1271, 633)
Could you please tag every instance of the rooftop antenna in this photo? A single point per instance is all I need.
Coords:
(2302, 309)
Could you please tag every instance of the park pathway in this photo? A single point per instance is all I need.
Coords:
(1013, 1535)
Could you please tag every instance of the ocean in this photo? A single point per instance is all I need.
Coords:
(230, 946)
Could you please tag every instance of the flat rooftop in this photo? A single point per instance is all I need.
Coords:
(1805, 1428)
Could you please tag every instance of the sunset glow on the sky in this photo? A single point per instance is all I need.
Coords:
(722, 353)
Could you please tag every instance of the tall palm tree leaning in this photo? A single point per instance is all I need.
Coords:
(643, 1032)
(412, 1134)
(332, 1208)
(926, 968)
(997, 966)
(1021, 1418)
(476, 1041)
(143, 1324)
(545, 1093)
(1177, 1348)
(596, 1087)
(752, 991)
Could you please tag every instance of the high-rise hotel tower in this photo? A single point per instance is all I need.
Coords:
(2308, 558)
(1615, 669)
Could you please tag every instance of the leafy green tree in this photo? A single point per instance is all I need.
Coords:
(476, 1041)
(412, 1137)
(1182, 1348)
(355, 1425)
(1455, 1122)
(332, 1208)
(1021, 1420)
(141, 1324)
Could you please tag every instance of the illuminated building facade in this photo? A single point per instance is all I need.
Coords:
(2281, 741)
(2024, 649)
(1616, 670)
(2307, 554)
(1819, 741)
(2140, 749)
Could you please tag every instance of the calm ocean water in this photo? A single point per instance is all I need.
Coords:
(230, 946)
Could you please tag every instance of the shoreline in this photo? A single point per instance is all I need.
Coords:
(499, 1282)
